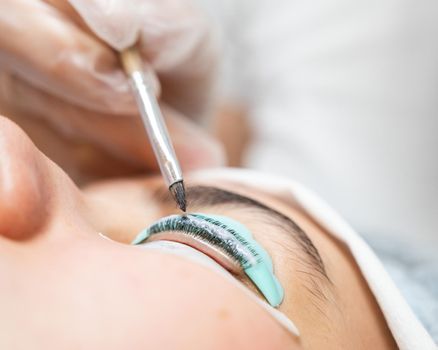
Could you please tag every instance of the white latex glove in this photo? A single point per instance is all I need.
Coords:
(58, 63)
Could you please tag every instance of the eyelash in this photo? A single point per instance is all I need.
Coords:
(196, 228)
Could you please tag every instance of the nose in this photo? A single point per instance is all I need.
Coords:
(24, 184)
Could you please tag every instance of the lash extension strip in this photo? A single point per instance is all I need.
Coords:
(232, 238)
(233, 246)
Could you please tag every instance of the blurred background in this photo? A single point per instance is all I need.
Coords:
(341, 96)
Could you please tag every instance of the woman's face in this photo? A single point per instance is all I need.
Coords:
(64, 284)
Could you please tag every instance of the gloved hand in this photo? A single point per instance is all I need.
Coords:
(59, 64)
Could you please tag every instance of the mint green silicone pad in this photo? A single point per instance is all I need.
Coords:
(261, 273)
(257, 265)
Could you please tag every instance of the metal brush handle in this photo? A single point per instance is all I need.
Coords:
(152, 117)
(156, 129)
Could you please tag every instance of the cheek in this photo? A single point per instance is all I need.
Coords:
(199, 308)
(118, 297)
(176, 304)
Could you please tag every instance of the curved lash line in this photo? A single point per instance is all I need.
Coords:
(213, 232)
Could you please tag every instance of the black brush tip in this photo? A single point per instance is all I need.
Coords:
(179, 194)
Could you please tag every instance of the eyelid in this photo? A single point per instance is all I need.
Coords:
(233, 238)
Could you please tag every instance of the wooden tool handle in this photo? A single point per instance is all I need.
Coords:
(131, 60)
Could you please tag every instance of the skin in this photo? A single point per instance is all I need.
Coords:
(56, 73)
(65, 286)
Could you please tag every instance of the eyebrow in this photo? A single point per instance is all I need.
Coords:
(205, 196)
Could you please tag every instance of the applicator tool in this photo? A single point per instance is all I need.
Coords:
(155, 127)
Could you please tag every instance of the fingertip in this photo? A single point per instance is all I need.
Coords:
(212, 155)
(194, 146)
(202, 152)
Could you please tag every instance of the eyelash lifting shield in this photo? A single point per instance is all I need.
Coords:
(155, 127)
(233, 239)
